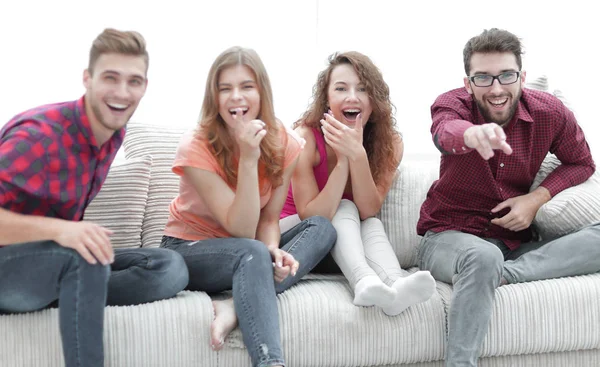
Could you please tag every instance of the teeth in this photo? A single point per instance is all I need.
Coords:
(498, 102)
(118, 106)
(352, 111)
(232, 110)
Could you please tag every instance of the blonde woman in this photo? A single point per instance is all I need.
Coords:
(235, 171)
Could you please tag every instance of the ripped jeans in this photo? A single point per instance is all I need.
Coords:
(244, 265)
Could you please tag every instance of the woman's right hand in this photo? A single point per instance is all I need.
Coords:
(248, 135)
(284, 264)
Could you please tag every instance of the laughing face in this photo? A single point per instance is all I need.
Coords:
(497, 103)
(347, 96)
(113, 91)
(238, 88)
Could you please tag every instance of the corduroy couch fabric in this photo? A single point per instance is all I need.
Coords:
(546, 323)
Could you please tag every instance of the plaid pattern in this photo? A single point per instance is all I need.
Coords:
(49, 162)
(469, 187)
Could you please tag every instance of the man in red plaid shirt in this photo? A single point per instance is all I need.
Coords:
(53, 161)
(494, 135)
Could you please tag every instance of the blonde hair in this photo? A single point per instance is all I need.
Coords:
(118, 42)
(213, 128)
(380, 132)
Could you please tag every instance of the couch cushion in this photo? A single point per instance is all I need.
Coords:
(121, 202)
(321, 327)
(544, 316)
(161, 143)
(400, 211)
(172, 332)
(570, 209)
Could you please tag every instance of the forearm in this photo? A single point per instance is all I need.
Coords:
(244, 212)
(268, 232)
(327, 201)
(366, 196)
(19, 228)
(564, 177)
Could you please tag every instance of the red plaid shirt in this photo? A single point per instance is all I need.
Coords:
(469, 187)
(49, 162)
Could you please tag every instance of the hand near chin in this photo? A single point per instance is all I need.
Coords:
(486, 138)
(248, 134)
(345, 141)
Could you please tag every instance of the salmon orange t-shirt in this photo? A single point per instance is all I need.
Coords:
(189, 217)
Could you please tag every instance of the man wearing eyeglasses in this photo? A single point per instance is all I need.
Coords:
(475, 222)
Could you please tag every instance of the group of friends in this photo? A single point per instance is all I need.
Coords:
(261, 205)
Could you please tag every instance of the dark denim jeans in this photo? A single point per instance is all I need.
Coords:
(141, 275)
(245, 266)
(35, 275)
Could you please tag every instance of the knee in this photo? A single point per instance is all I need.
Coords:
(254, 251)
(347, 210)
(327, 235)
(96, 273)
(484, 262)
(171, 270)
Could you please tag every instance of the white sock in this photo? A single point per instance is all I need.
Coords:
(410, 290)
(371, 291)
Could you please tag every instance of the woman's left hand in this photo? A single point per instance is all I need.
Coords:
(342, 139)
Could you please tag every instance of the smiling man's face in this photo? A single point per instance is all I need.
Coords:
(113, 91)
(497, 103)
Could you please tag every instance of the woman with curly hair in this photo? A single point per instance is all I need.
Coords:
(345, 172)
(235, 171)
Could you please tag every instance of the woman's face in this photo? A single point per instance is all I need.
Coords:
(238, 89)
(347, 96)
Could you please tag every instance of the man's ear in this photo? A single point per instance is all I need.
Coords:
(467, 85)
(87, 76)
(523, 75)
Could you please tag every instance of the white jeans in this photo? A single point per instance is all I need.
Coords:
(362, 247)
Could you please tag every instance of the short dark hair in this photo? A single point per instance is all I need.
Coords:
(491, 41)
(117, 42)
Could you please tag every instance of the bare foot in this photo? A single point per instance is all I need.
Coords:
(225, 320)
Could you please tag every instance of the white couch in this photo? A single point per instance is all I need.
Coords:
(545, 323)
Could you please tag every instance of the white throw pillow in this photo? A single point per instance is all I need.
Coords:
(121, 202)
(570, 209)
(161, 143)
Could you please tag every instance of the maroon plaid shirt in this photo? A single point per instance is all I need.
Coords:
(49, 162)
(469, 187)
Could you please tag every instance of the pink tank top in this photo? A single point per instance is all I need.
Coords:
(321, 176)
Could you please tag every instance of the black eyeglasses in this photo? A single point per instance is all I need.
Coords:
(484, 80)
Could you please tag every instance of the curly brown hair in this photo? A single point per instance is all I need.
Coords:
(212, 127)
(380, 131)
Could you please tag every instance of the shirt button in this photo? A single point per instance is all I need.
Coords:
(453, 150)
(501, 164)
(463, 148)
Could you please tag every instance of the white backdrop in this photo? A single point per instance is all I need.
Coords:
(418, 45)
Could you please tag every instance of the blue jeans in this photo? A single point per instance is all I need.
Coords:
(141, 275)
(35, 275)
(245, 266)
(476, 265)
